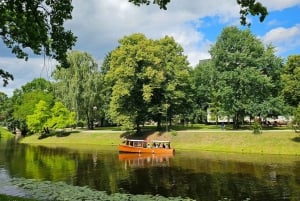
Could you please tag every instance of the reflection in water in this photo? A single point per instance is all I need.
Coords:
(135, 160)
(201, 176)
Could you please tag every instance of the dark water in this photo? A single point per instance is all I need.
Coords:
(200, 176)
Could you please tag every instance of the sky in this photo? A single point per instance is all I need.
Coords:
(194, 24)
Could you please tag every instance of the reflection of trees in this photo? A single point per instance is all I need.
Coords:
(100, 171)
(209, 179)
(40, 163)
(195, 177)
(203, 186)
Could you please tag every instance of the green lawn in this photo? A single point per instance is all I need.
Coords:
(277, 141)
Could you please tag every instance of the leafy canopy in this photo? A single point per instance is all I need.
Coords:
(36, 25)
(244, 83)
(147, 78)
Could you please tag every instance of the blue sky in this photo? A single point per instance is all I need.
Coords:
(195, 24)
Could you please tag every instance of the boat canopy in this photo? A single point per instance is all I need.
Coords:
(156, 141)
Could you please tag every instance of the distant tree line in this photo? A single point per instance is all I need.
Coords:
(145, 80)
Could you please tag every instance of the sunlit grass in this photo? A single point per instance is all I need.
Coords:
(4, 133)
(269, 142)
(238, 141)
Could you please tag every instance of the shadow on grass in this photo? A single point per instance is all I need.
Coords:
(296, 139)
(140, 136)
(57, 134)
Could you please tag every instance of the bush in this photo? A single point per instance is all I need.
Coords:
(256, 127)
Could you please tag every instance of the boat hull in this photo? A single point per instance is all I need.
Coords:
(151, 150)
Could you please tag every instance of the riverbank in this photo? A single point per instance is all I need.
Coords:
(269, 142)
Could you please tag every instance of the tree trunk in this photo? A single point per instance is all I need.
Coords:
(138, 128)
(236, 121)
(158, 127)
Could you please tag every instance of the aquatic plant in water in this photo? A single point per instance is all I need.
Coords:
(60, 191)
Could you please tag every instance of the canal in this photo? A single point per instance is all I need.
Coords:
(196, 175)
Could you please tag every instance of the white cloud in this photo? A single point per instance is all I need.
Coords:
(284, 39)
(279, 4)
(24, 72)
(99, 24)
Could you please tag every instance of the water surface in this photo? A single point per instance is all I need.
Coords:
(197, 175)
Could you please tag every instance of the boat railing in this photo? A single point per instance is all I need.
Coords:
(148, 144)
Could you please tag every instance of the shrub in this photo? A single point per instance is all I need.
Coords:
(256, 127)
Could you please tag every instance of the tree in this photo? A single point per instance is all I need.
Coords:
(79, 87)
(38, 25)
(45, 117)
(148, 79)
(290, 80)
(61, 117)
(204, 80)
(26, 107)
(36, 121)
(247, 7)
(244, 86)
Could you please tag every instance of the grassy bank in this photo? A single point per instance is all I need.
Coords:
(4, 133)
(269, 142)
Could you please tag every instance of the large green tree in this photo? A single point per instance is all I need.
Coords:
(79, 87)
(149, 79)
(245, 83)
(45, 116)
(37, 120)
(25, 99)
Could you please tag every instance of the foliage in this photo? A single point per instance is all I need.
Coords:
(290, 79)
(25, 99)
(247, 7)
(244, 83)
(4, 133)
(80, 86)
(14, 198)
(256, 127)
(36, 121)
(149, 78)
(4, 107)
(296, 118)
(37, 25)
(204, 80)
(37, 84)
(45, 117)
(6, 76)
(46, 190)
(61, 117)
